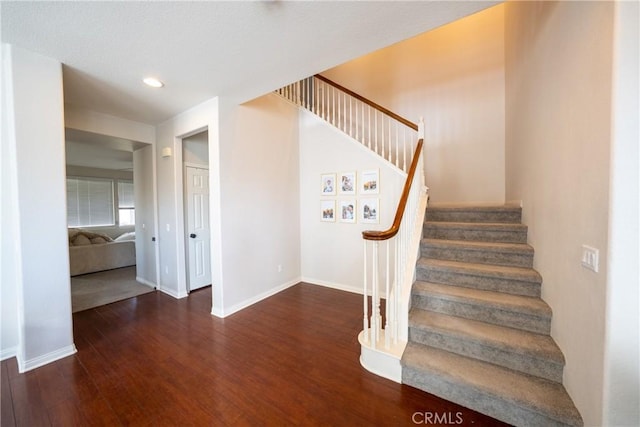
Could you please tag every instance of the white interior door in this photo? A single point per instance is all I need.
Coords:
(198, 234)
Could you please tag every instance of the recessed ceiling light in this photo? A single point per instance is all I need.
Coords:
(153, 82)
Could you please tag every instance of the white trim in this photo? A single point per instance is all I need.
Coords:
(332, 285)
(380, 361)
(172, 293)
(145, 282)
(248, 302)
(8, 353)
(28, 365)
(195, 165)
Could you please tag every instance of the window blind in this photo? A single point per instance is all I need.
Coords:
(89, 202)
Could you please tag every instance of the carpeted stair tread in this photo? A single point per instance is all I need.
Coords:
(494, 253)
(477, 231)
(528, 352)
(515, 273)
(502, 393)
(463, 213)
(481, 246)
(492, 300)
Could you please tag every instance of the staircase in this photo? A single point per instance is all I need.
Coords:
(478, 330)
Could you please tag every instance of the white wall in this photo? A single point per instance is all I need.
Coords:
(452, 76)
(195, 149)
(172, 268)
(622, 354)
(259, 200)
(558, 133)
(40, 268)
(332, 252)
(10, 272)
(105, 124)
(143, 181)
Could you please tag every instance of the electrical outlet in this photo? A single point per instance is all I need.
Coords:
(590, 258)
(279, 268)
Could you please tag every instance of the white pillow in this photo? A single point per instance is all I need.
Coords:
(131, 235)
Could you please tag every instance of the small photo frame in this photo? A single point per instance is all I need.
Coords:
(328, 210)
(347, 211)
(370, 211)
(347, 183)
(370, 181)
(328, 184)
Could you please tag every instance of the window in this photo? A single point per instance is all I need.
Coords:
(92, 202)
(89, 202)
(126, 208)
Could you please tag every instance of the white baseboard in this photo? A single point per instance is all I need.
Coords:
(339, 286)
(145, 282)
(28, 365)
(250, 301)
(173, 293)
(8, 353)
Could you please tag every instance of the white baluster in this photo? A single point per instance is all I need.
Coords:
(397, 145)
(375, 127)
(375, 306)
(387, 307)
(369, 126)
(389, 159)
(382, 133)
(404, 149)
(333, 105)
(399, 283)
(365, 304)
(350, 116)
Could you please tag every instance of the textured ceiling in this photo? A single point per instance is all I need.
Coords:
(206, 49)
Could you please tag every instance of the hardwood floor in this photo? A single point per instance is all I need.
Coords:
(291, 359)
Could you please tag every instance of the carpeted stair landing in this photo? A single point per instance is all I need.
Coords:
(478, 330)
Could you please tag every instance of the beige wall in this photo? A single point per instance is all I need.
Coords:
(558, 125)
(452, 76)
(331, 252)
(259, 200)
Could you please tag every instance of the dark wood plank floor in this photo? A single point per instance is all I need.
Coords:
(291, 359)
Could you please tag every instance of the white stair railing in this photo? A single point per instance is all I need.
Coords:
(380, 130)
(390, 255)
(390, 258)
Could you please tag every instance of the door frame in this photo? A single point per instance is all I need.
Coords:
(186, 165)
(181, 250)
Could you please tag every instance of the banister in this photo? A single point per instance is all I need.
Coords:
(393, 230)
(368, 102)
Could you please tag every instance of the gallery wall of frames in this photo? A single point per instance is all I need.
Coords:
(350, 197)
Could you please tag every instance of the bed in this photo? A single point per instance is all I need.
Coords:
(92, 252)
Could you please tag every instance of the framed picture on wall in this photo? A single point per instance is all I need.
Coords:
(347, 183)
(370, 182)
(347, 211)
(328, 184)
(370, 211)
(328, 210)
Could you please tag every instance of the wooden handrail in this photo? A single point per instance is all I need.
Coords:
(402, 204)
(368, 102)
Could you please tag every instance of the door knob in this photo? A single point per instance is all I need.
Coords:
(192, 235)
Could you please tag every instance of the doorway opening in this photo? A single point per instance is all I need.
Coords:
(197, 235)
(110, 212)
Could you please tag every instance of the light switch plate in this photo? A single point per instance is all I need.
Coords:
(590, 258)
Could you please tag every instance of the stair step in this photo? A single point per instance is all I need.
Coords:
(476, 231)
(509, 254)
(512, 280)
(522, 351)
(519, 312)
(462, 213)
(499, 392)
